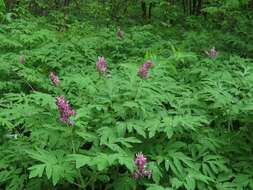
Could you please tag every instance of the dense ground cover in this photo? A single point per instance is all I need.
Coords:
(189, 114)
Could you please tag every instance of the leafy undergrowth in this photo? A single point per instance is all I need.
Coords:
(191, 117)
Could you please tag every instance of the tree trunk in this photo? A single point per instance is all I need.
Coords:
(150, 10)
(199, 7)
(184, 6)
(190, 7)
(66, 3)
(194, 7)
(144, 9)
(10, 4)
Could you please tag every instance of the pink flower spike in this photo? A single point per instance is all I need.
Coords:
(101, 65)
(54, 79)
(148, 64)
(141, 161)
(144, 68)
(143, 71)
(136, 175)
(22, 59)
(65, 110)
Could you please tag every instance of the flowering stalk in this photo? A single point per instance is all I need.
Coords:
(148, 64)
(22, 59)
(65, 110)
(54, 79)
(141, 161)
(143, 70)
(80, 179)
(101, 65)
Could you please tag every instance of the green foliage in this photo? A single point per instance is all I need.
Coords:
(191, 117)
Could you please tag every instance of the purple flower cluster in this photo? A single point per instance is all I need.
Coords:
(141, 161)
(65, 110)
(54, 79)
(143, 70)
(101, 65)
(22, 59)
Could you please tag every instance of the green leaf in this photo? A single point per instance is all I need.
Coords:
(190, 183)
(102, 161)
(176, 183)
(36, 170)
(155, 187)
(156, 173)
(124, 183)
(127, 161)
(167, 164)
(179, 166)
(57, 173)
(49, 170)
(81, 160)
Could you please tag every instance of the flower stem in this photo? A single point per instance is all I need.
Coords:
(81, 181)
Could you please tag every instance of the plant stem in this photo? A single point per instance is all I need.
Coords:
(25, 81)
(137, 89)
(29, 85)
(91, 180)
(82, 186)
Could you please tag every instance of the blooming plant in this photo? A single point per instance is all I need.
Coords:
(141, 161)
(65, 110)
(54, 79)
(101, 65)
(143, 70)
(192, 121)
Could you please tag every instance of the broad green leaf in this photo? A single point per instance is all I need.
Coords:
(36, 170)
(81, 160)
